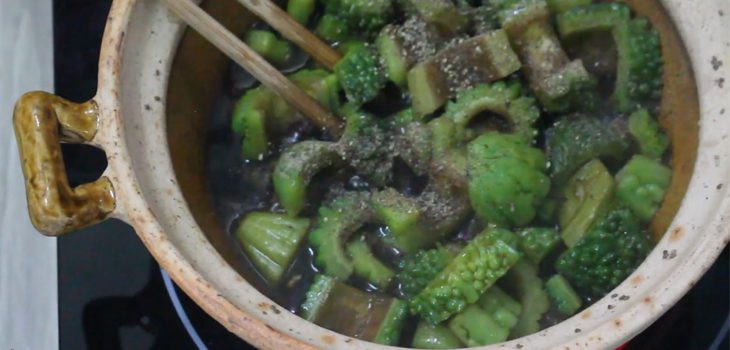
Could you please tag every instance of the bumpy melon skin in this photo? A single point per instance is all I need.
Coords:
(361, 74)
(484, 260)
(507, 179)
(572, 142)
(608, 253)
(362, 16)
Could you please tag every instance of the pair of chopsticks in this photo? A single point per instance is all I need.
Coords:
(252, 62)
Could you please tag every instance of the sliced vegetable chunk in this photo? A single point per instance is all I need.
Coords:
(271, 241)
(588, 194)
(295, 169)
(428, 336)
(499, 98)
(639, 77)
(506, 179)
(489, 57)
(523, 282)
(365, 146)
(595, 17)
(420, 268)
(361, 16)
(427, 88)
(361, 74)
(468, 275)
(558, 83)
(392, 52)
(639, 73)
(648, 134)
(574, 141)
(560, 6)
(260, 112)
(476, 327)
(269, 46)
(565, 299)
(538, 242)
(503, 309)
(608, 253)
(441, 13)
(301, 10)
(366, 265)
(336, 222)
(641, 185)
(419, 222)
(352, 312)
(332, 29)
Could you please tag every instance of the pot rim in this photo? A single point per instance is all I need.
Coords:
(698, 243)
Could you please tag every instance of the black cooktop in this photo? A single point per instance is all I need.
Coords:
(112, 294)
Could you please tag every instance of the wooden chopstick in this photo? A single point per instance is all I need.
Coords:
(289, 28)
(240, 53)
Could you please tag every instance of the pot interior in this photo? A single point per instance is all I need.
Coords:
(198, 113)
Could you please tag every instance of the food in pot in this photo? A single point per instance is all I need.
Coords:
(500, 165)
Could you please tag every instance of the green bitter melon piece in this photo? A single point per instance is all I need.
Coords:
(295, 169)
(266, 44)
(367, 266)
(489, 57)
(538, 242)
(499, 98)
(558, 83)
(648, 134)
(484, 259)
(352, 312)
(361, 74)
(562, 295)
(524, 284)
(428, 336)
(641, 184)
(271, 241)
(301, 10)
(336, 222)
(572, 142)
(588, 194)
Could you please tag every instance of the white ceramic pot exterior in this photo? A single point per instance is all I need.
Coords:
(138, 49)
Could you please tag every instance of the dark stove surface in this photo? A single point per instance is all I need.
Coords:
(112, 294)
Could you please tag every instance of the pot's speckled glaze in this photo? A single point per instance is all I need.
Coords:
(138, 49)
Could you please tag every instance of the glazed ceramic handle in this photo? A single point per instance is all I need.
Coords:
(42, 121)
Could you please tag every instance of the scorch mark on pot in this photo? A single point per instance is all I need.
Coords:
(676, 234)
(636, 280)
(328, 339)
